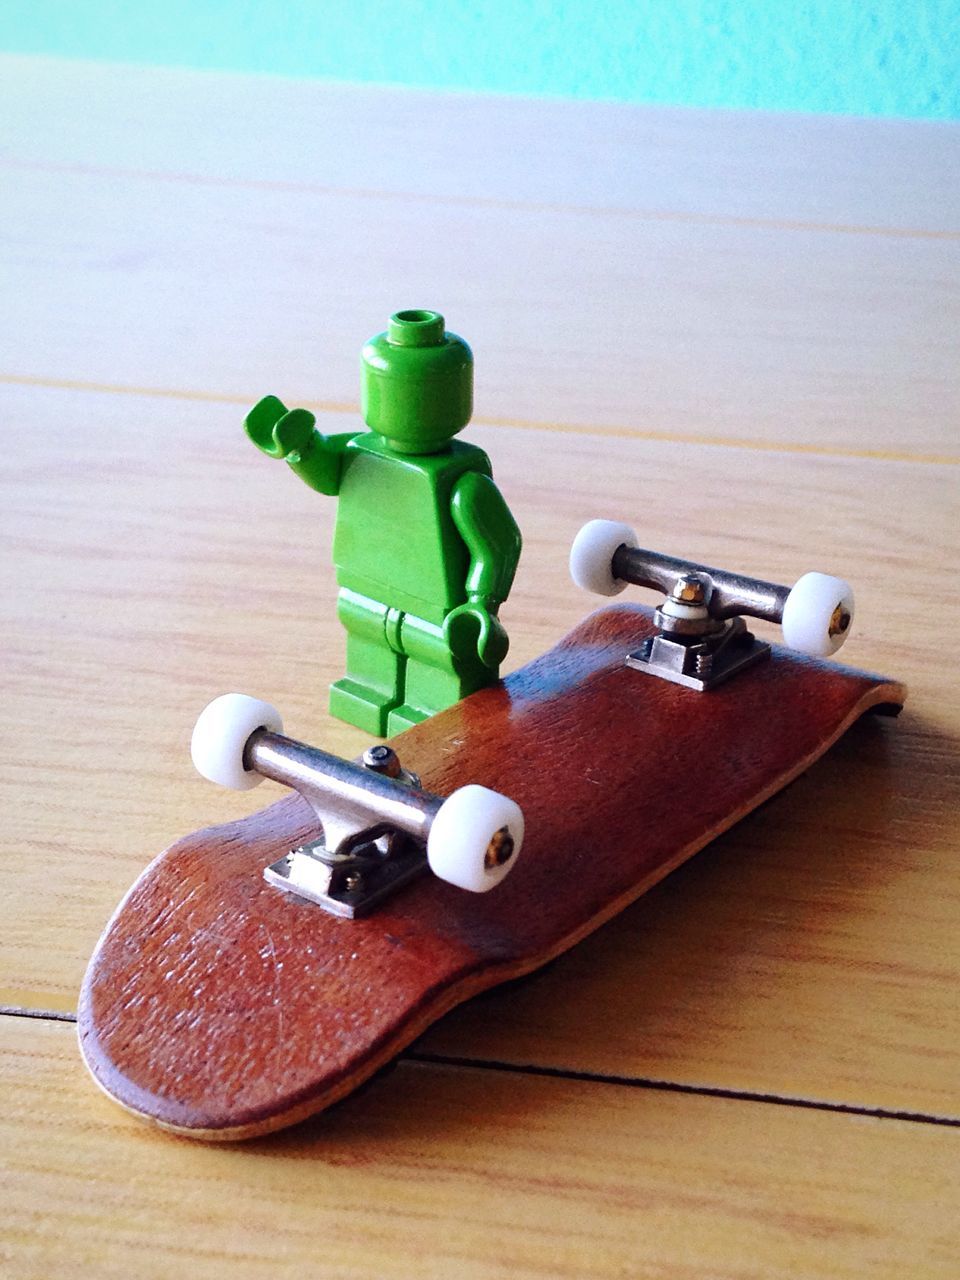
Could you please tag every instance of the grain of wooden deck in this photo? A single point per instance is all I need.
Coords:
(737, 331)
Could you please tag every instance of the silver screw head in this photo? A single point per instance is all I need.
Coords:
(382, 759)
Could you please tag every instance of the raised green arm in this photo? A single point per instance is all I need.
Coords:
(291, 434)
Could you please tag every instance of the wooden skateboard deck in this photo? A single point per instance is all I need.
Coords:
(221, 1007)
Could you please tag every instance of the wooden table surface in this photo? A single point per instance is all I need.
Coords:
(737, 332)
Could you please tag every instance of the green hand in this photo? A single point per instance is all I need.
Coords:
(277, 431)
(471, 629)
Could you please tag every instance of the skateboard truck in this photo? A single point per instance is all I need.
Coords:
(702, 638)
(380, 829)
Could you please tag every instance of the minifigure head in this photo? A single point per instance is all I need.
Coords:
(416, 383)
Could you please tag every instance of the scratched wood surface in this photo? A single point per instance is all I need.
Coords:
(735, 331)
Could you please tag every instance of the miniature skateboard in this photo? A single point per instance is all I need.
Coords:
(259, 971)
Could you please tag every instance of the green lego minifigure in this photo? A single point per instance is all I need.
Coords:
(425, 546)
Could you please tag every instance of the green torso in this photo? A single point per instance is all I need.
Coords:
(395, 538)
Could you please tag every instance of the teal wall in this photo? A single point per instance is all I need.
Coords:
(877, 57)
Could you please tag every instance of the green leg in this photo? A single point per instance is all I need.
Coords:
(371, 688)
(433, 679)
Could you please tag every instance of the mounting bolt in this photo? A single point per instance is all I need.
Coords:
(382, 759)
(703, 665)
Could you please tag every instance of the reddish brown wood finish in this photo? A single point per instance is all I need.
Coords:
(223, 1008)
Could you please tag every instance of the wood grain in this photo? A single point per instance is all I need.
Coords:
(790, 333)
(485, 1174)
(218, 128)
(784, 282)
(146, 588)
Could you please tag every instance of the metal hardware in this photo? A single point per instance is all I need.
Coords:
(351, 884)
(383, 759)
(702, 639)
(729, 594)
(700, 664)
(374, 816)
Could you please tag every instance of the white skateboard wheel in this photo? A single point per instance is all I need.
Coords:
(591, 556)
(222, 732)
(818, 615)
(466, 825)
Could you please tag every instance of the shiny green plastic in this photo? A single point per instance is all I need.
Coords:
(425, 547)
